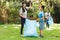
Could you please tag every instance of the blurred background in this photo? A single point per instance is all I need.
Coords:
(9, 10)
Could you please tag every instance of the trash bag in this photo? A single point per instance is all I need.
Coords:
(38, 24)
(30, 28)
(50, 20)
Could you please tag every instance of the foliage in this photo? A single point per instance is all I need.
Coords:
(32, 13)
(13, 10)
(13, 15)
(52, 10)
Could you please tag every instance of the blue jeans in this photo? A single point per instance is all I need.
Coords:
(22, 24)
(47, 24)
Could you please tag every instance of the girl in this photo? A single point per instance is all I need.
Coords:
(23, 15)
(48, 19)
(47, 15)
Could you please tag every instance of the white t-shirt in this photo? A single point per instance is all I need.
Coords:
(24, 14)
(47, 15)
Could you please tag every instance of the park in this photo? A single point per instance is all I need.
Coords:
(10, 21)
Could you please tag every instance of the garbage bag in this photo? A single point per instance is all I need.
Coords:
(30, 28)
(50, 20)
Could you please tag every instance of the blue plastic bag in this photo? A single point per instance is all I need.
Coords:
(50, 20)
(30, 28)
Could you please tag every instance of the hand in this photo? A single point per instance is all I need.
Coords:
(22, 16)
(38, 19)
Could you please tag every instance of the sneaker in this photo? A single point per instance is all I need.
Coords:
(48, 29)
(41, 36)
(21, 35)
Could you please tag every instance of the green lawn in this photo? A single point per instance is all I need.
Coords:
(12, 32)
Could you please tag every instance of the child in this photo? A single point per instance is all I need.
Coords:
(23, 15)
(48, 19)
(41, 21)
(47, 15)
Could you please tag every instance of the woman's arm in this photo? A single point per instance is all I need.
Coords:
(21, 15)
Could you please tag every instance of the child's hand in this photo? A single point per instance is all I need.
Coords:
(38, 19)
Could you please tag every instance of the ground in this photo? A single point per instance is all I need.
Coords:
(12, 32)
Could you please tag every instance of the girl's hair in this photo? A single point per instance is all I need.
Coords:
(23, 9)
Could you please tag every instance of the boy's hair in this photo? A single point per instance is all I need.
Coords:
(42, 7)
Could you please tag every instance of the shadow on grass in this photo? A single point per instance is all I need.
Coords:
(29, 36)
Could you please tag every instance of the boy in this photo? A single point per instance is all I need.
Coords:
(41, 20)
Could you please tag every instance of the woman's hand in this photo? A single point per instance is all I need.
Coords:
(22, 16)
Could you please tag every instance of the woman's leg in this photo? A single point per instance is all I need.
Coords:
(22, 24)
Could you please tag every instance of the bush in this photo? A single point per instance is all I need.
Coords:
(32, 14)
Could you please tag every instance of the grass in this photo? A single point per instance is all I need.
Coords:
(12, 32)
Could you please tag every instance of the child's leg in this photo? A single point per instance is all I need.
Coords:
(41, 32)
(41, 29)
(47, 24)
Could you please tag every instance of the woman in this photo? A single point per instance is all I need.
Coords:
(23, 15)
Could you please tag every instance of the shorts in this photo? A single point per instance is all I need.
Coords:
(41, 27)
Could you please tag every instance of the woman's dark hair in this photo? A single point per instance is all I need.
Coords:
(23, 9)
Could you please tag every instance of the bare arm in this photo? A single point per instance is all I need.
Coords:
(21, 15)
